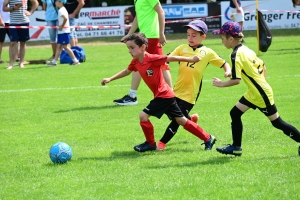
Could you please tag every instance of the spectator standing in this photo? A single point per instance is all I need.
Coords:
(18, 17)
(4, 21)
(150, 19)
(52, 20)
(73, 7)
(63, 37)
(237, 11)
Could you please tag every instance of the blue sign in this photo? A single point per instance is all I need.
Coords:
(185, 11)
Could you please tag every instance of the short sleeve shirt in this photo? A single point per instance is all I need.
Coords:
(151, 72)
(147, 17)
(189, 78)
(51, 12)
(247, 66)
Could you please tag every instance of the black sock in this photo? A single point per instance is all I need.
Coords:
(236, 126)
(170, 132)
(288, 129)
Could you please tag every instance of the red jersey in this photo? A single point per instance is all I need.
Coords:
(151, 72)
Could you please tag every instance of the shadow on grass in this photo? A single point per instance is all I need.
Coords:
(87, 108)
(210, 161)
(115, 155)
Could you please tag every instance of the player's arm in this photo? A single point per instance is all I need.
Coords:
(132, 29)
(265, 71)
(78, 8)
(219, 83)
(227, 70)
(161, 21)
(121, 74)
(182, 59)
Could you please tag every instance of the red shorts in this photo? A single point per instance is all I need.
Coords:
(154, 46)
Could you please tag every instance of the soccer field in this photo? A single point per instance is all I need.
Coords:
(43, 105)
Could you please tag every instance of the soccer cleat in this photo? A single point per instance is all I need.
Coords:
(161, 146)
(299, 151)
(51, 64)
(210, 143)
(230, 149)
(126, 101)
(144, 147)
(194, 118)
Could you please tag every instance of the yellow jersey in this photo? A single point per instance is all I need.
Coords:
(189, 79)
(247, 66)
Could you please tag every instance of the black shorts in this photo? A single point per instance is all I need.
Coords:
(159, 106)
(185, 107)
(3, 32)
(268, 111)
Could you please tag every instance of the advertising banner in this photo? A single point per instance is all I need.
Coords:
(100, 16)
(116, 20)
(278, 15)
(182, 14)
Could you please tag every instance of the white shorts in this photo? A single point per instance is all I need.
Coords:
(238, 17)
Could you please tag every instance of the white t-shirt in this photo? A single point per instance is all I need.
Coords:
(4, 15)
(62, 11)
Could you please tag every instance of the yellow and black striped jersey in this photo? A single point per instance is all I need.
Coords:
(247, 66)
(189, 79)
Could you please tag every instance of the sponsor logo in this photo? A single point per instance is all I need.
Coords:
(105, 14)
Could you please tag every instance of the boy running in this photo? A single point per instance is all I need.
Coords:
(247, 66)
(189, 81)
(63, 34)
(150, 68)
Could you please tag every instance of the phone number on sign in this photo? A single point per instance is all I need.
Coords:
(100, 33)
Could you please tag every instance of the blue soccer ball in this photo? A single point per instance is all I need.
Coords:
(60, 152)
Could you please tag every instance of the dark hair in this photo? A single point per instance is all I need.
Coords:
(294, 3)
(139, 39)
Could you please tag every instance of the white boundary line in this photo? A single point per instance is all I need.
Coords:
(98, 87)
(69, 88)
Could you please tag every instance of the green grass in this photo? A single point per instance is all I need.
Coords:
(43, 105)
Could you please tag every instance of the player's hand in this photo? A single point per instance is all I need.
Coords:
(196, 59)
(227, 74)
(217, 82)
(104, 81)
(124, 39)
(162, 39)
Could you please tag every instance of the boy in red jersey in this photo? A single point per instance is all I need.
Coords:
(149, 66)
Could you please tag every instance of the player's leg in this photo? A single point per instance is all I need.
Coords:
(236, 128)
(130, 99)
(277, 122)
(148, 130)
(175, 112)
(157, 107)
(171, 130)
